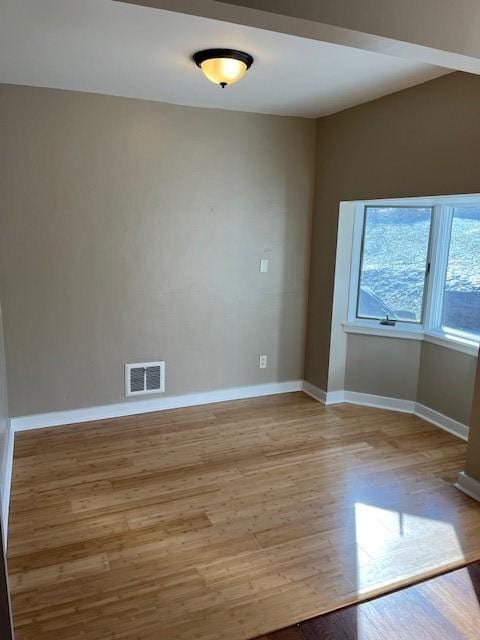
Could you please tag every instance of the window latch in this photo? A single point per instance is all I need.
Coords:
(388, 321)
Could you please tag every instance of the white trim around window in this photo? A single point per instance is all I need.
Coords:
(430, 329)
(448, 340)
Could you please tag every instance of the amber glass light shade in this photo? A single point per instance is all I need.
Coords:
(223, 66)
(224, 70)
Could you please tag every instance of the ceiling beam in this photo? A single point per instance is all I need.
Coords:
(438, 32)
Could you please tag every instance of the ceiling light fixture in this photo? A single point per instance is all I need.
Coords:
(223, 66)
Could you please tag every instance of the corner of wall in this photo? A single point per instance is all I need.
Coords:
(320, 292)
(6, 479)
(472, 467)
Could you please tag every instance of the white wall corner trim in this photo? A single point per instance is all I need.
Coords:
(440, 420)
(335, 397)
(314, 392)
(74, 416)
(468, 485)
(7, 479)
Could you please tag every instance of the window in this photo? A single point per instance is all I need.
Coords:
(461, 302)
(416, 268)
(394, 263)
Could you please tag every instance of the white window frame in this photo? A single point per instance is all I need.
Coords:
(440, 234)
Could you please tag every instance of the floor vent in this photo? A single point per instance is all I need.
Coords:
(144, 377)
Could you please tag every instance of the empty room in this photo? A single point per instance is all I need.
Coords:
(240, 320)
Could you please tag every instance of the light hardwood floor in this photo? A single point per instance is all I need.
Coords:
(228, 520)
(443, 608)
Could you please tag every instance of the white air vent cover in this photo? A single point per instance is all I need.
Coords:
(144, 377)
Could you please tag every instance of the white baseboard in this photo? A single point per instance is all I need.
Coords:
(408, 406)
(327, 398)
(379, 402)
(7, 479)
(335, 397)
(74, 416)
(314, 392)
(444, 422)
(88, 414)
(468, 485)
(391, 404)
(353, 397)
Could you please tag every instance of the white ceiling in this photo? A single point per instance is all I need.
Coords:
(107, 47)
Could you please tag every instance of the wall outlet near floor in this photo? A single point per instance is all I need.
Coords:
(263, 265)
(263, 362)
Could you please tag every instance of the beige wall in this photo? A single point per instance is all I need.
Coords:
(382, 366)
(4, 421)
(140, 232)
(472, 467)
(133, 231)
(422, 141)
(439, 378)
(446, 381)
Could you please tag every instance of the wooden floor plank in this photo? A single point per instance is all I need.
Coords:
(445, 607)
(250, 515)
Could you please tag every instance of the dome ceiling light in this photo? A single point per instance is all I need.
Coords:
(223, 66)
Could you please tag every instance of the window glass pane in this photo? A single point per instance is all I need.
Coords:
(395, 251)
(461, 303)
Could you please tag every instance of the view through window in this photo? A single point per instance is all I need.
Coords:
(461, 304)
(401, 245)
(394, 261)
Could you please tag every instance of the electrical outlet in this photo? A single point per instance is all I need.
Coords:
(263, 362)
(263, 265)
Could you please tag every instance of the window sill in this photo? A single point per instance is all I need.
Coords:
(376, 329)
(452, 342)
(404, 333)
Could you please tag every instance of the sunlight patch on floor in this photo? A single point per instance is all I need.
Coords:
(385, 537)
